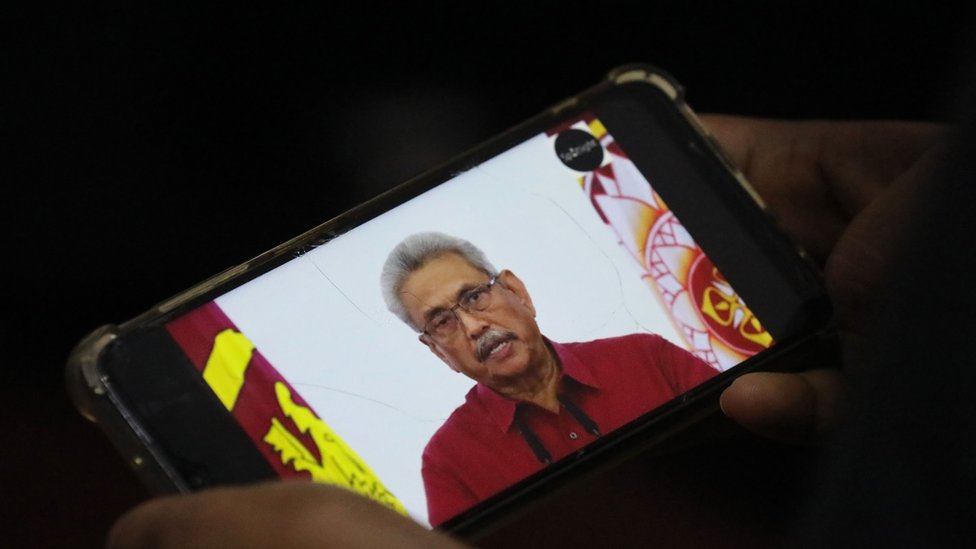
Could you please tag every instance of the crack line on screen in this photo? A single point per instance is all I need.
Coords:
(368, 399)
(338, 289)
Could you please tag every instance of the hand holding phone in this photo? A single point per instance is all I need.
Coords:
(741, 137)
(626, 224)
(843, 190)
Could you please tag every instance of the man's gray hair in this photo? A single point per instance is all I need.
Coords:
(412, 253)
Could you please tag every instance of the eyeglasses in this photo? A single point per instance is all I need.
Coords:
(445, 322)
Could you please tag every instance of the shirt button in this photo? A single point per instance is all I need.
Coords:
(573, 435)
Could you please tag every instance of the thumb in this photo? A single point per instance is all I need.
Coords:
(799, 408)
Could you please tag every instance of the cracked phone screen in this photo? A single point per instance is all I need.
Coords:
(330, 385)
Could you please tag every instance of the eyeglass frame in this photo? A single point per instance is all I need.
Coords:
(453, 309)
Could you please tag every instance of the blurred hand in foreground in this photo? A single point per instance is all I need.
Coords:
(273, 515)
(846, 192)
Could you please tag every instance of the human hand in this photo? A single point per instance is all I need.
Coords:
(277, 514)
(844, 191)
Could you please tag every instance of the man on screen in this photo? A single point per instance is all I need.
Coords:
(535, 400)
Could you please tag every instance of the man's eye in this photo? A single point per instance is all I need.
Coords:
(474, 297)
(440, 321)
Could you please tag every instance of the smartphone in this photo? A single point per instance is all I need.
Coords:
(593, 278)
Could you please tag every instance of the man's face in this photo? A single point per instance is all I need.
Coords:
(496, 346)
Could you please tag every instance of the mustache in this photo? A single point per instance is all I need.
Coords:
(489, 340)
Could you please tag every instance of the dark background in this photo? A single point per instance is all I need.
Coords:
(149, 149)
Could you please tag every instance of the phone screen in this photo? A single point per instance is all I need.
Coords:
(328, 384)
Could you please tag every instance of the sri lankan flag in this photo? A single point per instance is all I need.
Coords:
(285, 429)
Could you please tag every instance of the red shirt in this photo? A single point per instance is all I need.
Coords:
(479, 450)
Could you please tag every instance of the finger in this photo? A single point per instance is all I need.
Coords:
(855, 160)
(275, 515)
(817, 175)
(799, 408)
(779, 160)
(859, 160)
(871, 245)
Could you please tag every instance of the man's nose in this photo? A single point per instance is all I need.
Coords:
(473, 324)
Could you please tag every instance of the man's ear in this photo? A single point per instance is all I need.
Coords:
(514, 283)
(423, 338)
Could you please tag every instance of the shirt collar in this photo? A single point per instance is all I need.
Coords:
(502, 409)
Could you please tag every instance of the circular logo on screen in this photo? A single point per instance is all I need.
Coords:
(723, 312)
(579, 150)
